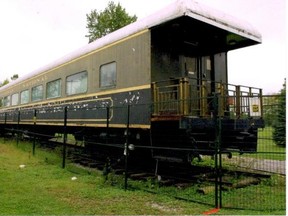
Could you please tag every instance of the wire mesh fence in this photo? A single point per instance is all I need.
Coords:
(246, 180)
(258, 183)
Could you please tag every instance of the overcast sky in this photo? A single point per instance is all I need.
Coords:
(37, 32)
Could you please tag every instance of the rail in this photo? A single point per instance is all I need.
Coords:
(186, 96)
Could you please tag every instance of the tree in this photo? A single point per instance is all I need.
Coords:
(270, 103)
(5, 82)
(279, 133)
(14, 77)
(112, 18)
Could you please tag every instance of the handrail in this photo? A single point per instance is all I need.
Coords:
(187, 96)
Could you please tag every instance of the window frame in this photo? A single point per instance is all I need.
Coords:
(104, 84)
(42, 93)
(59, 86)
(6, 101)
(15, 98)
(28, 99)
(76, 92)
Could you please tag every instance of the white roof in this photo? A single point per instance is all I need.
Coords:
(177, 9)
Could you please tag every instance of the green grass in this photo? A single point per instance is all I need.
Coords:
(266, 148)
(43, 187)
(266, 143)
(268, 196)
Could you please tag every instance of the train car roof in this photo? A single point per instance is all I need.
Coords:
(179, 8)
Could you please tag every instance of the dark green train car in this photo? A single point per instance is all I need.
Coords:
(164, 77)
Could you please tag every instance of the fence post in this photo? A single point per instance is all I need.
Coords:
(261, 102)
(18, 123)
(107, 123)
(238, 102)
(34, 138)
(219, 138)
(218, 156)
(5, 122)
(64, 137)
(126, 147)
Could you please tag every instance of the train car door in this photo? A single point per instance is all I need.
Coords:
(199, 72)
(206, 85)
(189, 68)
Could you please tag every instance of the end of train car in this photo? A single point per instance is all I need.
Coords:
(160, 83)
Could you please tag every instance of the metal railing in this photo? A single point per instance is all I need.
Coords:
(185, 96)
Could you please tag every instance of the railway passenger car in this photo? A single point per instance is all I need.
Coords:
(164, 78)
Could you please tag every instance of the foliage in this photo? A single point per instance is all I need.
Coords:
(5, 82)
(14, 77)
(279, 134)
(270, 103)
(112, 18)
(267, 144)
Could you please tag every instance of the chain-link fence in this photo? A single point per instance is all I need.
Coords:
(234, 179)
(238, 179)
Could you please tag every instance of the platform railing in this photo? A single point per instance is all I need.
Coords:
(185, 96)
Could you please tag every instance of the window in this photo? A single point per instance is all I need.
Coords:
(6, 101)
(37, 93)
(53, 89)
(24, 97)
(108, 75)
(77, 83)
(15, 99)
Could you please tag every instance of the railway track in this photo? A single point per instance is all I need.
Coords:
(165, 174)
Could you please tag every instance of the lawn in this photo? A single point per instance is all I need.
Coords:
(267, 149)
(266, 143)
(41, 186)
